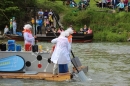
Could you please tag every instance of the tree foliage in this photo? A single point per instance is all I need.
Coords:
(14, 8)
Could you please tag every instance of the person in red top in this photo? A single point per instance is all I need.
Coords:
(89, 31)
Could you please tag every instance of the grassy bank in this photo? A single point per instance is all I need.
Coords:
(107, 26)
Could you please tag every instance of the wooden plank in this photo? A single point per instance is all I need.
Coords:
(84, 68)
(60, 77)
(42, 76)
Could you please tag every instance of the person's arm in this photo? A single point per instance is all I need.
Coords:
(118, 4)
(54, 41)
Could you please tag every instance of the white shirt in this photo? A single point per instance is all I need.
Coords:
(6, 30)
(50, 13)
(41, 13)
(14, 25)
(61, 54)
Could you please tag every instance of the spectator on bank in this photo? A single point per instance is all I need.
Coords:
(39, 28)
(81, 5)
(46, 14)
(46, 23)
(120, 6)
(51, 12)
(127, 8)
(114, 3)
(73, 3)
(40, 13)
(53, 28)
(33, 25)
(6, 30)
(125, 2)
(11, 26)
(37, 21)
(108, 3)
(85, 29)
(50, 19)
(81, 30)
(14, 26)
(89, 31)
(48, 30)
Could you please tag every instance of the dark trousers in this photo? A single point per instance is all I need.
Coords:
(39, 30)
(121, 9)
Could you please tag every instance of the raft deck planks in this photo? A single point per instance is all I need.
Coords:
(40, 76)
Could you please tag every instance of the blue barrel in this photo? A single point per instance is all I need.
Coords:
(18, 47)
(11, 45)
(63, 68)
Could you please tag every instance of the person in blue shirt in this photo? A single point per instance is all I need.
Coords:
(39, 28)
(121, 6)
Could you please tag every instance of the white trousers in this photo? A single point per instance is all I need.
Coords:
(55, 69)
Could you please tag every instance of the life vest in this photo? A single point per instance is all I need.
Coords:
(70, 38)
(28, 31)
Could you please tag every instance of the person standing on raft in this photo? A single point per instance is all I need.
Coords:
(61, 51)
(70, 31)
(29, 40)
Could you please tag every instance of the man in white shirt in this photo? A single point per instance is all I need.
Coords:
(61, 54)
(40, 13)
(6, 29)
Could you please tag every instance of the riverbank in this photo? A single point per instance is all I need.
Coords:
(107, 26)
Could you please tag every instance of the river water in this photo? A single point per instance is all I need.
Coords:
(108, 65)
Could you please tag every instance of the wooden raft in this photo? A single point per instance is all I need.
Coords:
(40, 76)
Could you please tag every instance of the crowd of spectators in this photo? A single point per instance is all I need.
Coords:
(82, 4)
(85, 30)
(46, 19)
(121, 5)
(43, 18)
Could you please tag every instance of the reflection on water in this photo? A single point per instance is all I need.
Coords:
(109, 65)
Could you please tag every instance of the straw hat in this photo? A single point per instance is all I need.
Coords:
(70, 31)
(27, 26)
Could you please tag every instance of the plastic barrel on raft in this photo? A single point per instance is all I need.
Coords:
(34, 48)
(11, 45)
(63, 68)
(39, 48)
(18, 47)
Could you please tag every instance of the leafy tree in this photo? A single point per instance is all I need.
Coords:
(14, 8)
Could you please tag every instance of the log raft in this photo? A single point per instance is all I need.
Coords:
(39, 76)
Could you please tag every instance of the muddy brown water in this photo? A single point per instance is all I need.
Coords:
(108, 63)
